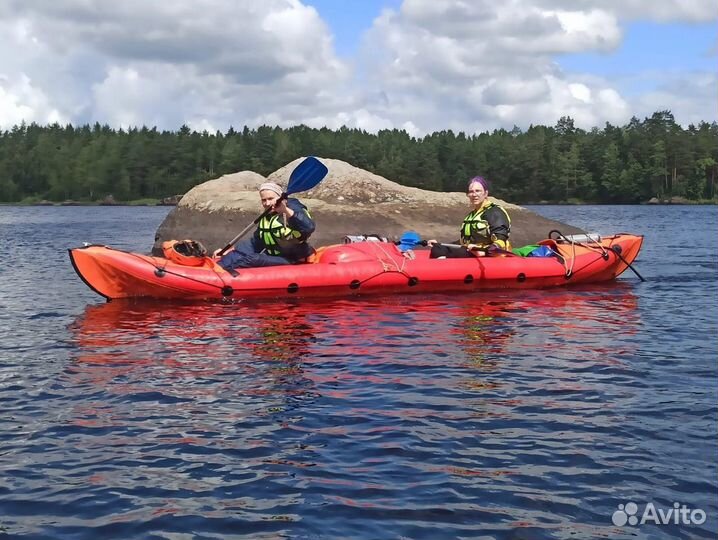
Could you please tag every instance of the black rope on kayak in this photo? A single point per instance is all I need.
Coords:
(356, 283)
(388, 265)
(576, 271)
(161, 271)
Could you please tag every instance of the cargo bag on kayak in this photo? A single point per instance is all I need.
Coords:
(185, 252)
(534, 251)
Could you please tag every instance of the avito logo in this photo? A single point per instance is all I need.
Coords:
(678, 515)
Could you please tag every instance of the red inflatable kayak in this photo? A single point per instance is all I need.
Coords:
(351, 269)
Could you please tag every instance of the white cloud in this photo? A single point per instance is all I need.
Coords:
(592, 30)
(691, 97)
(21, 101)
(434, 71)
(481, 65)
(580, 92)
(511, 90)
(167, 63)
(664, 10)
(454, 64)
(653, 10)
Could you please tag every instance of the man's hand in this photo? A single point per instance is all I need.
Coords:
(282, 209)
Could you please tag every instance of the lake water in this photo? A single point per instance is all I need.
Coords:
(517, 415)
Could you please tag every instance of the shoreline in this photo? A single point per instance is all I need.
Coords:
(84, 203)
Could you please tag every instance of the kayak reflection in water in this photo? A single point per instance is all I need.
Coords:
(135, 347)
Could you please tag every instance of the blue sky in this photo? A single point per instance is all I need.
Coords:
(648, 52)
(349, 19)
(650, 46)
(416, 65)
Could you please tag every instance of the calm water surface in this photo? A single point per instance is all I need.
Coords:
(498, 415)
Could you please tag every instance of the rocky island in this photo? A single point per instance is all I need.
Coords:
(349, 201)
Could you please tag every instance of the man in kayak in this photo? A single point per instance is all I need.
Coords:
(280, 238)
(485, 229)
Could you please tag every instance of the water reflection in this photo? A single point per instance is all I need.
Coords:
(294, 347)
(296, 412)
(192, 347)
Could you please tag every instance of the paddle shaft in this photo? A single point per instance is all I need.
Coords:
(486, 251)
(618, 254)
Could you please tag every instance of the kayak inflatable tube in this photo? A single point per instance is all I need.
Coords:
(353, 269)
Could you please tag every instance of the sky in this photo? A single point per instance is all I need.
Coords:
(417, 65)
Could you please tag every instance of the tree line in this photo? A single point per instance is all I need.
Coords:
(654, 157)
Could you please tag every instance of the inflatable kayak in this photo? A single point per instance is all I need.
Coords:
(353, 269)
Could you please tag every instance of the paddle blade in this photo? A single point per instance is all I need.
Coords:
(306, 175)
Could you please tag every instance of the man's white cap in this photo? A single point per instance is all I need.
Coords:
(271, 186)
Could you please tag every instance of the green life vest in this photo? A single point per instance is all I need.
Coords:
(275, 235)
(476, 230)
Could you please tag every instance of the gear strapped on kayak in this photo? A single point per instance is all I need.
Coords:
(389, 264)
(185, 252)
(193, 254)
(591, 241)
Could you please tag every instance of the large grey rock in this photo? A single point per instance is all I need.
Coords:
(349, 201)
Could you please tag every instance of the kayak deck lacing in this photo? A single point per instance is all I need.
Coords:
(592, 245)
(388, 264)
(163, 269)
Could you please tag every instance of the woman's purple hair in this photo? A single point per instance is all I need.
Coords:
(479, 180)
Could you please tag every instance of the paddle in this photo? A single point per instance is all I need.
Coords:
(305, 176)
(488, 251)
(411, 239)
(617, 250)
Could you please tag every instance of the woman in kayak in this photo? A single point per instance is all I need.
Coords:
(281, 236)
(484, 230)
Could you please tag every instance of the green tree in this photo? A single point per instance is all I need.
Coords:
(658, 167)
(611, 177)
(653, 157)
(704, 179)
(576, 181)
(629, 187)
(233, 156)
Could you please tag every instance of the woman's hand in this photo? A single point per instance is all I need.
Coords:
(431, 243)
(476, 250)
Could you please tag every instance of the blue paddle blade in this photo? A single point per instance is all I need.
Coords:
(306, 175)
